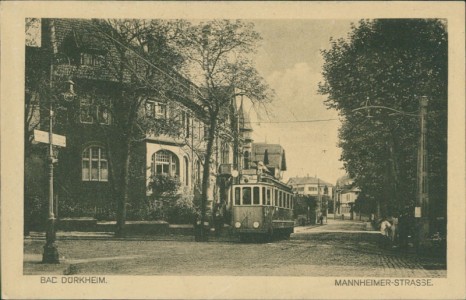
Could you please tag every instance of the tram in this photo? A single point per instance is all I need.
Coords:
(262, 209)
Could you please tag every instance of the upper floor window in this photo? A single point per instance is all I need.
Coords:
(186, 123)
(246, 159)
(225, 155)
(197, 173)
(86, 114)
(165, 162)
(90, 110)
(156, 109)
(94, 164)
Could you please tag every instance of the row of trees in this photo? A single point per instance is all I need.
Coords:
(390, 63)
(144, 58)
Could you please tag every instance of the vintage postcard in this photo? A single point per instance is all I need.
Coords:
(233, 150)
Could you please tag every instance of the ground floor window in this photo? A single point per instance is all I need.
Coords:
(165, 162)
(94, 164)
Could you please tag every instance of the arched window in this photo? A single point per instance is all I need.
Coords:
(225, 155)
(186, 171)
(165, 162)
(94, 164)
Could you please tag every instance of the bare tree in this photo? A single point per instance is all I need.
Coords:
(218, 53)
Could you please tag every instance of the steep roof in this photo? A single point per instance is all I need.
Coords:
(244, 121)
(71, 36)
(307, 180)
(275, 153)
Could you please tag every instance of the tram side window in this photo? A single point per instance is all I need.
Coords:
(280, 197)
(291, 202)
(287, 200)
(264, 201)
(237, 196)
(246, 196)
(276, 198)
(268, 196)
(256, 195)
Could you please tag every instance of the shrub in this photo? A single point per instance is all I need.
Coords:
(182, 210)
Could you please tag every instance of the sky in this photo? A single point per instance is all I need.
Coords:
(290, 61)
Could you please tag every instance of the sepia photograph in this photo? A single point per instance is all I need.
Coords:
(253, 148)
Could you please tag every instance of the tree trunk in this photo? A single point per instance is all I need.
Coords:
(124, 196)
(206, 179)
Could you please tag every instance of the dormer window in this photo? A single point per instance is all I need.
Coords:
(156, 110)
(90, 110)
(90, 59)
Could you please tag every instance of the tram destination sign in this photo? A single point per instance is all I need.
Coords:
(43, 137)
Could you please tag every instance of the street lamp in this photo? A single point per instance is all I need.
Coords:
(421, 212)
(50, 254)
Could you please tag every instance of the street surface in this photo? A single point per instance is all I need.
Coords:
(339, 248)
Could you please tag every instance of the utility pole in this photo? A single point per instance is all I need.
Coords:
(422, 205)
(319, 199)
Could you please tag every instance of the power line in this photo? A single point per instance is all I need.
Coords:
(144, 59)
(296, 121)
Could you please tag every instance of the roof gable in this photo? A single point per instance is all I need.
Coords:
(275, 154)
(307, 180)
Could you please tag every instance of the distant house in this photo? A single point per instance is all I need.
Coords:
(310, 186)
(346, 194)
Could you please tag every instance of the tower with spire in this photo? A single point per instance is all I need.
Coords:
(245, 130)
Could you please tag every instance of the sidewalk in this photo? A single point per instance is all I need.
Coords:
(177, 232)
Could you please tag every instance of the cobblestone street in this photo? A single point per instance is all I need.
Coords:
(339, 248)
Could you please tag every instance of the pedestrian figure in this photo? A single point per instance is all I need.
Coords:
(385, 232)
(394, 231)
(403, 231)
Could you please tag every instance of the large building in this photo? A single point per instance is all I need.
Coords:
(71, 61)
(310, 186)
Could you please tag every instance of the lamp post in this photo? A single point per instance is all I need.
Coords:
(421, 212)
(50, 254)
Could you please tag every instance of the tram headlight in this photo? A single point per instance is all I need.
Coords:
(237, 225)
(255, 224)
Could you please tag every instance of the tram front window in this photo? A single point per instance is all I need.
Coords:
(268, 196)
(246, 196)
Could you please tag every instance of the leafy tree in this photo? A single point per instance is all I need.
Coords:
(390, 63)
(141, 59)
(217, 53)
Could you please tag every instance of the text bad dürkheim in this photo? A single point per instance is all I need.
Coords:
(73, 279)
